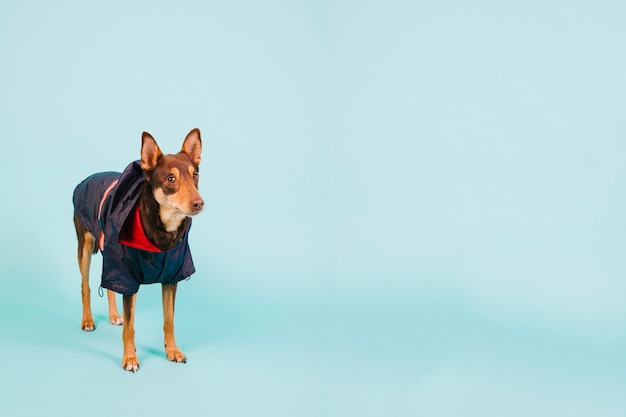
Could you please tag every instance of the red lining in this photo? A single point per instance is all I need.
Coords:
(134, 235)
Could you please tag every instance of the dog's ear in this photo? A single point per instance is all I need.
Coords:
(150, 152)
(192, 146)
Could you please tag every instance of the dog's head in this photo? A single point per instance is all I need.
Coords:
(174, 178)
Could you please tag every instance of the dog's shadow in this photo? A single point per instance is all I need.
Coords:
(102, 353)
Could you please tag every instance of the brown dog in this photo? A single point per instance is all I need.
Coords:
(140, 220)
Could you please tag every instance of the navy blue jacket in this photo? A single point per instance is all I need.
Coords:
(125, 268)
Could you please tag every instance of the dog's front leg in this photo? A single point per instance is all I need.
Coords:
(130, 362)
(171, 350)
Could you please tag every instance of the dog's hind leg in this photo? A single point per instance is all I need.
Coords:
(86, 248)
(114, 315)
(171, 350)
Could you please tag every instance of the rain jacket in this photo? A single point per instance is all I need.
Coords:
(102, 203)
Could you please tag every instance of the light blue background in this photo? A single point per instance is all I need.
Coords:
(413, 208)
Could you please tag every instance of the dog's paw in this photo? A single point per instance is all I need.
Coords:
(130, 363)
(116, 319)
(88, 324)
(175, 355)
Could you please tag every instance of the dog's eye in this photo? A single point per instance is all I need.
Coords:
(171, 179)
(195, 175)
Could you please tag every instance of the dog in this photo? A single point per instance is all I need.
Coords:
(139, 220)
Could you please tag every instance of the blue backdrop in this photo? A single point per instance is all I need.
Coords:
(412, 207)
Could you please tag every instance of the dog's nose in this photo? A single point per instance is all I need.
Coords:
(197, 205)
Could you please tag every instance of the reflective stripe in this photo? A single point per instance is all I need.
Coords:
(104, 196)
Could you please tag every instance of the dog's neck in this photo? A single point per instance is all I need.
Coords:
(163, 226)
